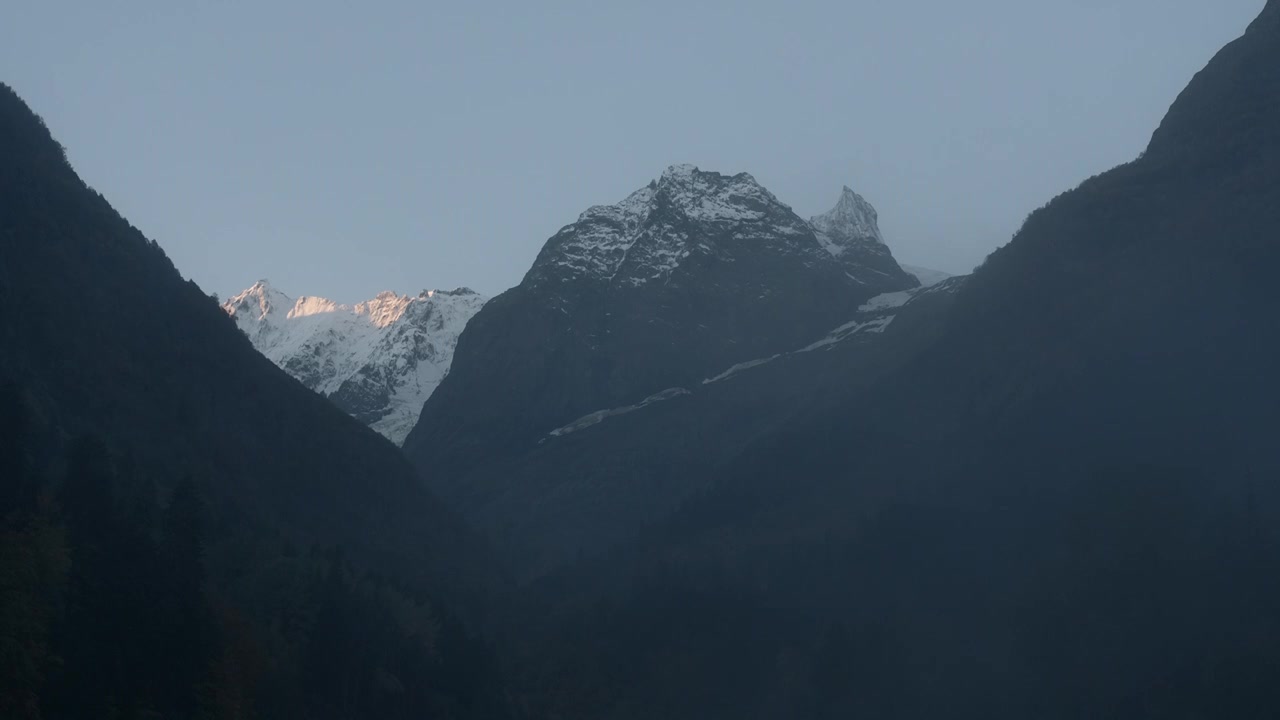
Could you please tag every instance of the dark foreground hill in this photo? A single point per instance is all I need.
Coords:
(322, 583)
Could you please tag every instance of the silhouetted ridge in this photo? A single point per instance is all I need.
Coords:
(1268, 20)
(25, 138)
(103, 340)
(1230, 109)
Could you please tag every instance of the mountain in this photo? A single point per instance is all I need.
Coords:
(178, 385)
(850, 232)
(686, 277)
(590, 486)
(298, 558)
(378, 360)
(1049, 492)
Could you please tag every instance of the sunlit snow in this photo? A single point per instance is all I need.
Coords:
(397, 347)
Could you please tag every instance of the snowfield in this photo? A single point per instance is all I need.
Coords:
(379, 360)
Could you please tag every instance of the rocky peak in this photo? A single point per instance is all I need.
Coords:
(712, 197)
(385, 308)
(259, 303)
(656, 228)
(261, 292)
(852, 220)
(692, 273)
(308, 305)
(850, 233)
(456, 292)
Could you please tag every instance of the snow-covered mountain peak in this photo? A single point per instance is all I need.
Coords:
(678, 171)
(386, 308)
(309, 305)
(379, 359)
(260, 300)
(852, 221)
(654, 229)
(456, 292)
(712, 197)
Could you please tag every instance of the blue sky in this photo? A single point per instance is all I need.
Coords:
(342, 148)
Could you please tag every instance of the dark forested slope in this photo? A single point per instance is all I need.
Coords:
(328, 559)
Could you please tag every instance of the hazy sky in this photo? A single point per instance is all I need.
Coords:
(342, 148)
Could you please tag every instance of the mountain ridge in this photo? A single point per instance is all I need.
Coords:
(378, 360)
(633, 306)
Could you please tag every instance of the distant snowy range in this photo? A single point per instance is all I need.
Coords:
(378, 360)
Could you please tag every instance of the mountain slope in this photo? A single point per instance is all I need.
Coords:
(692, 273)
(1057, 498)
(685, 278)
(591, 485)
(326, 558)
(105, 338)
(1128, 321)
(378, 360)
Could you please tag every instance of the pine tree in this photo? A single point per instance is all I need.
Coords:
(190, 629)
(33, 565)
(87, 683)
(18, 486)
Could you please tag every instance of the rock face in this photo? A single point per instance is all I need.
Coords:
(687, 276)
(851, 233)
(378, 360)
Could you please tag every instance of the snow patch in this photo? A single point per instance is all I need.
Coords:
(844, 332)
(877, 308)
(874, 316)
(739, 368)
(600, 416)
(887, 301)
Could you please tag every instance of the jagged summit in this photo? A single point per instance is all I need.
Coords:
(852, 220)
(680, 170)
(259, 301)
(643, 238)
(713, 197)
(379, 359)
(456, 292)
(692, 215)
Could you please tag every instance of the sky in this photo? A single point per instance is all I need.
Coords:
(341, 149)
